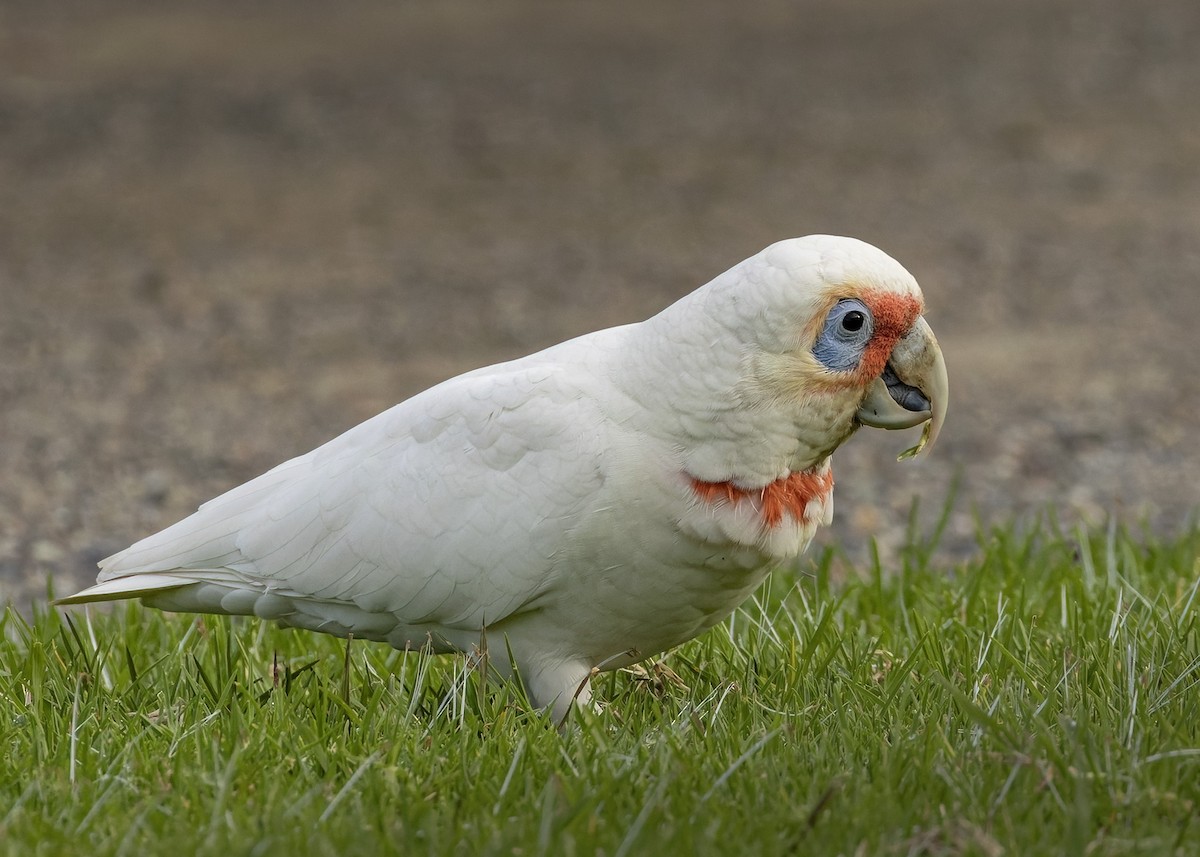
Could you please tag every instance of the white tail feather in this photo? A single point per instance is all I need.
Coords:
(133, 586)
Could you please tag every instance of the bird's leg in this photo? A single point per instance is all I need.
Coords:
(581, 688)
(558, 686)
(583, 695)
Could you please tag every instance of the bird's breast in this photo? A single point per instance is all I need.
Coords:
(789, 497)
(779, 518)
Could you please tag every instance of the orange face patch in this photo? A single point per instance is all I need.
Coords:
(894, 315)
(787, 496)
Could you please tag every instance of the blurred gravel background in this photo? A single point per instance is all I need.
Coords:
(230, 231)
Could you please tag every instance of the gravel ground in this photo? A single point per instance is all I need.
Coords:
(230, 231)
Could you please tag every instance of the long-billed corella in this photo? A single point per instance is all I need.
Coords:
(584, 507)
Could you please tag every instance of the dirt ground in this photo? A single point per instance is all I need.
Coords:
(230, 231)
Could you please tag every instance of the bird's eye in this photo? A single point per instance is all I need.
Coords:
(848, 329)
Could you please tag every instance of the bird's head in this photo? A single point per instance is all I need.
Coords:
(845, 341)
(813, 338)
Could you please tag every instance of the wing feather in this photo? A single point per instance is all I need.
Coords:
(447, 509)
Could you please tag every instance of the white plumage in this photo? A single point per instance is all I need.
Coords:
(591, 504)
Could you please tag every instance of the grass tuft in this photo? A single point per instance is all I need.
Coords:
(1041, 698)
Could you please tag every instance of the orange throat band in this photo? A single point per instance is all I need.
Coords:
(789, 495)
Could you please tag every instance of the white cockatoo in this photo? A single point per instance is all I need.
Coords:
(589, 505)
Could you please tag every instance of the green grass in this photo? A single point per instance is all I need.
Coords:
(1041, 698)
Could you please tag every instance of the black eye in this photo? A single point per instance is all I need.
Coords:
(853, 321)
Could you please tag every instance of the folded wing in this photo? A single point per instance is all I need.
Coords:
(450, 509)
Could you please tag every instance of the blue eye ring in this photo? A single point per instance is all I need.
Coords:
(843, 339)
